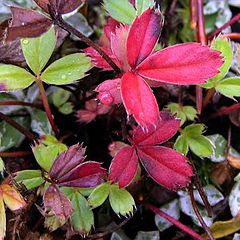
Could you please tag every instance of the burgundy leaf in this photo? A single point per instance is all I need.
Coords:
(67, 161)
(143, 36)
(188, 63)
(109, 92)
(97, 59)
(166, 128)
(124, 166)
(27, 23)
(64, 6)
(166, 166)
(118, 46)
(57, 201)
(139, 100)
(88, 174)
(110, 27)
(85, 116)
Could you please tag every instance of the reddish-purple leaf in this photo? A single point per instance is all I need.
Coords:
(124, 166)
(68, 169)
(166, 166)
(139, 100)
(85, 175)
(188, 63)
(143, 36)
(166, 128)
(56, 201)
(67, 161)
(85, 116)
(64, 6)
(109, 92)
(27, 23)
(118, 46)
(97, 59)
(110, 27)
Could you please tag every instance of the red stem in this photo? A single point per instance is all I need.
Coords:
(195, 208)
(15, 154)
(227, 24)
(225, 111)
(18, 103)
(233, 36)
(208, 97)
(178, 224)
(20, 128)
(46, 104)
(193, 13)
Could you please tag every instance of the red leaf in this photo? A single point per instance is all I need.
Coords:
(139, 100)
(27, 23)
(57, 201)
(118, 46)
(97, 59)
(166, 166)
(88, 174)
(124, 166)
(109, 92)
(143, 36)
(110, 27)
(65, 6)
(166, 128)
(85, 116)
(66, 161)
(189, 63)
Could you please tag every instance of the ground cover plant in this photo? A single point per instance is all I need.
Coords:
(119, 119)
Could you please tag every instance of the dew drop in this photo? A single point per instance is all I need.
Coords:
(63, 76)
(25, 41)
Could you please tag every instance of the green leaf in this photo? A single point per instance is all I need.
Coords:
(190, 112)
(99, 195)
(30, 178)
(10, 136)
(224, 46)
(229, 87)
(82, 218)
(14, 78)
(37, 51)
(181, 145)
(234, 199)
(200, 146)
(66, 108)
(121, 200)
(47, 151)
(40, 123)
(123, 11)
(60, 96)
(67, 69)
(2, 166)
(142, 5)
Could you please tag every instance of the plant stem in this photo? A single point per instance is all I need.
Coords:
(233, 36)
(18, 103)
(225, 111)
(178, 224)
(227, 24)
(15, 154)
(57, 18)
(46, 104)
(208, 97)
(20, 128)
(195, 208)
(193, 13)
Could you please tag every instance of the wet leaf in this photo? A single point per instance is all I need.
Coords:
(14, 78)
(30, 178)
(229, 87)
(234, 199)
(37, 51)
(60, 96)
(67, 69)
(121, 201)
(56, 201)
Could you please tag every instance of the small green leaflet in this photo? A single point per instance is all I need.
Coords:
(37, 51)
(191, 137)
(67, 69)
(123, 11)
(30, 178)
(224, 46)
(229, 87)
(13, 78)
(142, 5)
(183, 112)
